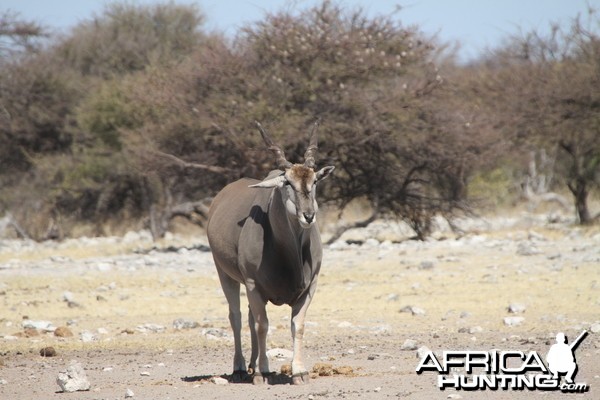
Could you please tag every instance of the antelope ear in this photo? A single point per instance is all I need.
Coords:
(324, 172)
(278, 181)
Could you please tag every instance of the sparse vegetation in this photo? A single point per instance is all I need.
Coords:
(139, 115)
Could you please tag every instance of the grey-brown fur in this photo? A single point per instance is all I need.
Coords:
(263, 235)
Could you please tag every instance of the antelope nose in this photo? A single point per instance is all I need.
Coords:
(309, 217)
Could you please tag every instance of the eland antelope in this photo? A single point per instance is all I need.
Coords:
(263, 234)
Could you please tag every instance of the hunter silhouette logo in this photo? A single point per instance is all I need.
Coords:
(561, 357)
(508, 370)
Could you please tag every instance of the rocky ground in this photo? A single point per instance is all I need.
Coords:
(147, 320)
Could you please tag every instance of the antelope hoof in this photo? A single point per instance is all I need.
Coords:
(260, 378)
(239, 376)
(301, 378)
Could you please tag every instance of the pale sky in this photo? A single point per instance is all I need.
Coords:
(476, 24)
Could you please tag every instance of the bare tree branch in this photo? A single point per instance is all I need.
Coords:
(186, 164)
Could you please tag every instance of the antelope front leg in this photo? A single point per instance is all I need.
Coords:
(231, 289)
(261, 327)
(299, 372)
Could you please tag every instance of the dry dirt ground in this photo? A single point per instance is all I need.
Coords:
(120, 298)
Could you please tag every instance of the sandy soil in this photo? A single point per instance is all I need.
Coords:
(120, 305)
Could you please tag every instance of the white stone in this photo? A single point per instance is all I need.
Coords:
(417, 311)
(68, 296)
(409, 344)
(422, 352)
(129, 393)
(513, 321)
(370, 242)
(217, 380)
(182, 323)
(73, 379)
(516, 308)
(39, 325)
(87, 337)
(345, 324)
(155, 328)
(475, 329)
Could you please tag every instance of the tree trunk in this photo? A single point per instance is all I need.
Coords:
(580, 191)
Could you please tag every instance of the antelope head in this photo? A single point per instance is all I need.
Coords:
(297, 182)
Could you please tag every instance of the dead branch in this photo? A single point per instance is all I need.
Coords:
(186, 164)
(358, 224)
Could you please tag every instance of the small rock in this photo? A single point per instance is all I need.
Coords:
(516, 308)
(381, 329)
(182, 323)
(214, 333)
(63, 331)
(145, 373)
(154, 328)
(345, 324)
(73, 379)
(426, 265)
(102, 331)
(3, 382)
(48, 352)
(68, 297)
(392, 297)
(87, 337)
(454, 396)
(377, 389)
(129, 393)
(372, 242)
(422, 352)
(595, 328)
(416, 311)
(513, 321)
(409, 344)
(217, 380)
(475, 329)
(45, 326)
